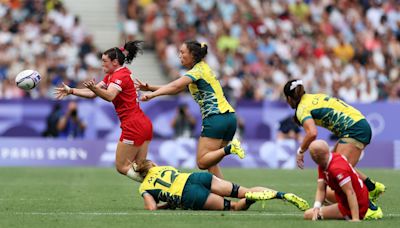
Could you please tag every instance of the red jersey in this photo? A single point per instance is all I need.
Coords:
(126, 103)
(338, 173)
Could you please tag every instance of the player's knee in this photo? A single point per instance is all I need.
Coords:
(201, 165)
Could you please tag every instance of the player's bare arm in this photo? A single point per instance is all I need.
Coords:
(319, 198)
(352, 200)
(149, 202)
(107, 94)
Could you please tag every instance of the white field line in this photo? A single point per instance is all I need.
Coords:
(169, 213)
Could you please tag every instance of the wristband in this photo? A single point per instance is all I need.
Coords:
(300, 151)
(317, 204)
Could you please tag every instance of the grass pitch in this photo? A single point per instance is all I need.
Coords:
(99, 197)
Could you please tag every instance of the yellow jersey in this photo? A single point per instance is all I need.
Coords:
(328, 112)
(164, 183)
(207, 91)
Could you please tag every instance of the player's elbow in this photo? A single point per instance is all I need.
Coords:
(312, 135)
(150, 207)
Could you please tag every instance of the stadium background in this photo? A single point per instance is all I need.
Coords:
(348, 49)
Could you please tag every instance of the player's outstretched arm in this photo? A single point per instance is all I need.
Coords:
(319, 198)
(145, 86)
(171, 88)
(65, 90)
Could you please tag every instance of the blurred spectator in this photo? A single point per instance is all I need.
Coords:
(184, 122)
(288, 129)
(70, 125)
(52, 122)
(258, 45)
(43, 35)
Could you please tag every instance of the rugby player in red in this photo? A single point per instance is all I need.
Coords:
(352, 200)
(119, 88)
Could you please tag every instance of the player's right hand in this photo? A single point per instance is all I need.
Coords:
(62, 92)
(142, 86)
(300, 160)
(316, 216)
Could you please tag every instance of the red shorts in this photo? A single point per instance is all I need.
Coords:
(362, 210)
(136, 130)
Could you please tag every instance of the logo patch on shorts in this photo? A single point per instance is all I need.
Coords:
(126, 141)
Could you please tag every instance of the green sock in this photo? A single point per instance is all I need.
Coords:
(227, 149)
(370, 185)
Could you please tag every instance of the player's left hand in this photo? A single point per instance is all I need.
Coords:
(90, 84)
(300, 160)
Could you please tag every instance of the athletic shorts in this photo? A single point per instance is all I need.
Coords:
(196, 190)
(362, 210)
(360, 132)
(135, 131)
(220, 126)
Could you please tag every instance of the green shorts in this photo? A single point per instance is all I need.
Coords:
(220, 126)
(361, 131)
(196, 190)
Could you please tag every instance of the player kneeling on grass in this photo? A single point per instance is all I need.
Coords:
(200, 190)
(350, 191)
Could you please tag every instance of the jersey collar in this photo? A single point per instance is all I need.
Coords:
(329, 161)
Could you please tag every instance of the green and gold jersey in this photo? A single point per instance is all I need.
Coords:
(207, 91)
(165, 183)
(328, 112)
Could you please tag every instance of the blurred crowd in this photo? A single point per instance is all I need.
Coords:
(43, 35)
(348, 48)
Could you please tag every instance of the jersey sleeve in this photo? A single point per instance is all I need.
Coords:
(342, 176)
(194, 74)
(117, 81)
(303, 113)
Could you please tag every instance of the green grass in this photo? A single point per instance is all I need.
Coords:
(99, 197)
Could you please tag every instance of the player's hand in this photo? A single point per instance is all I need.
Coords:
(142, 86)
(146, 97)
(62, 92)
(316, 216)
(300, 160)
(90, 84)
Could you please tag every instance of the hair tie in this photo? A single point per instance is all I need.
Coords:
(294, 84)
(202, 44)
(122, 49)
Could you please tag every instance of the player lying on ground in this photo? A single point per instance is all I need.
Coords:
(351, 193)
(200, 190)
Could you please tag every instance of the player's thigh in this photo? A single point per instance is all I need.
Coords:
(206, 145)
(331, 212)
(350, 151)
(214, 202)
(143, 150)
(126, 153)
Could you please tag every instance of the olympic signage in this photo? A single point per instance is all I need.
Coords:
(177, 152)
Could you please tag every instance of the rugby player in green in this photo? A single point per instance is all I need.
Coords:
(343, 120)
(200, 190)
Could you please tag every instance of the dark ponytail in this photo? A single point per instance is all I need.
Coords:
(132, 47)
(295, 90)
(198, 50)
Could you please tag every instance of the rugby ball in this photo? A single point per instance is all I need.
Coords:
(27, 79)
